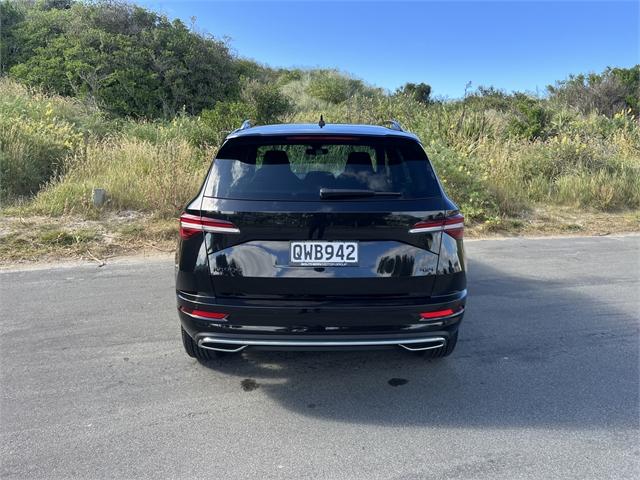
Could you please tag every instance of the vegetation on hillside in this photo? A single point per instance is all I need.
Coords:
(114, 96)
(124, 59)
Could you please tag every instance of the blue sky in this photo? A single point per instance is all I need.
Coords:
(513, 45)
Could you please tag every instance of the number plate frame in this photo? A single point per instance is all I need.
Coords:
(297, 260)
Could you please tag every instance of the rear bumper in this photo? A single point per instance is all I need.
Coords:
(321, 325)
(239, 343)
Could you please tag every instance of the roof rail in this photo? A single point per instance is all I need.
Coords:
(395, 125)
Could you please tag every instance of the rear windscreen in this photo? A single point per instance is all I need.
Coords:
(296, 168)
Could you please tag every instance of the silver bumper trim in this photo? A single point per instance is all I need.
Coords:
(209, 342)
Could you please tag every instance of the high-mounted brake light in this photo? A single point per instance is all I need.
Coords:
(190, 225)
(323, 138)
(452, 225)
(204, 314)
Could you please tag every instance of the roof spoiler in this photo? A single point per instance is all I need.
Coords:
(395, 125)
(246, 124)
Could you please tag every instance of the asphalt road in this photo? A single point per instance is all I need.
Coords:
(544, 383)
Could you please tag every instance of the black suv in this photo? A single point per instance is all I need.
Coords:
(320, 237)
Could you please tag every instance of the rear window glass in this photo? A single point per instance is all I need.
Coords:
(296, 168)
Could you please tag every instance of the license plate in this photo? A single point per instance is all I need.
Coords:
(315, 254)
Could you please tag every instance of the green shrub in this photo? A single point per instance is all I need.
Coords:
(489, 98)
(226, 117)
(607, 93)
(420, 92)
(128, 60)
(332, 87)
(530, 119)
(266, 103)
(261, 104)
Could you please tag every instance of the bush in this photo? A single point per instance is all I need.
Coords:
(489, 98)
(127, 60)
(226, 117)
(530, 119)
(614, 90)
(332, 87)
(420, 92)
(265, 101)
(261, 104)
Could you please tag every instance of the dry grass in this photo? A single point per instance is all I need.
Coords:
(138, 175)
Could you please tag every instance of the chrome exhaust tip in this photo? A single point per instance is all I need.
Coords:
(426, 345)
(209, 344)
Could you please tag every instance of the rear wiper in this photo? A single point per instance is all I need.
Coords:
(330, 193)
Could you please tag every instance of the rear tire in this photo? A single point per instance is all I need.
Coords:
(442, 351)
(194, 351)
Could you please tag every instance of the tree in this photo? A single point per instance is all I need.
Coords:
(607, 93)
(421, 92)
(10, 16)
(127, 60)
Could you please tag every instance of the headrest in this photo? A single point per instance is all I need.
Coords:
(359, 158)
(359, 162)
(275, 157)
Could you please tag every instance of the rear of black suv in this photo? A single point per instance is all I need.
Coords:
(320, 238)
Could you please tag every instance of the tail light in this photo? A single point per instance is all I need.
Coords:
(437, 314)
(204, 314)
(190, 225)
(452, 225)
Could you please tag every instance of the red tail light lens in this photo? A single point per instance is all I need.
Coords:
(427, 226)
(204, 314)
(437, 314)
(191, 225)
(444, 313)
(452, 225)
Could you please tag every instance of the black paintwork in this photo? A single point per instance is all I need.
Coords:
(248, 275)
